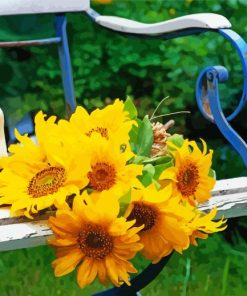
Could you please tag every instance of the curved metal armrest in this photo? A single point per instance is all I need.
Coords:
(207, 94)
(204, 21)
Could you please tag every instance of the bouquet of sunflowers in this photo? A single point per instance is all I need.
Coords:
(118, 185)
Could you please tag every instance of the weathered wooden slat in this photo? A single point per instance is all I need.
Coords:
(15, 7)
(230, 185)
(229, 196)
(30, 42)
(23, 235)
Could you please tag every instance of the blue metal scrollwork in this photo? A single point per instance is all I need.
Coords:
(207, 92)
(208, 98)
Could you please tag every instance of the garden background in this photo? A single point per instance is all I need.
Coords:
(107, 66)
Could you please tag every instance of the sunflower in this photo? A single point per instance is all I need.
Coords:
(109, 122)
(52, 133)
(91, 234)
(165, 227)
(169, 224)
(202, 224)
(190, 175)
(34, 178)
(109, 167)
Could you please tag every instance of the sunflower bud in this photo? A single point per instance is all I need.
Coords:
(160, 135)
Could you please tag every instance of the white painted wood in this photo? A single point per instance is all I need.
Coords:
(15, 7)
(229, 196)
(199, 20)
(229, 206)
(23, 235)
(4, 213)
(235, 184)
(3, 146)
(20, 232)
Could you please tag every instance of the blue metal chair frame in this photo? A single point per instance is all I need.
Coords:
(207, 94)
(207, 91)
(208, 100)
(61, 40)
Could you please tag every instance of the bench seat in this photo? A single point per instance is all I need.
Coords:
(229, 196)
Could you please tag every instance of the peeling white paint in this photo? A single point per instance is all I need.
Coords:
(230, 197)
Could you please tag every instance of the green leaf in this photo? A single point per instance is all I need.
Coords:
(148, 173)
(124, 201)
(149, 169)
(177, 140)
(160, 168)
(212, 173)
(163, 159)
(130, 107)
(140, 160)
(148, 160)
(146, 179)
(144, 138)
(134, 136)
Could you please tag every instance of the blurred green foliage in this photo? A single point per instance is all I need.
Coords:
(107, 65)
(212, 269)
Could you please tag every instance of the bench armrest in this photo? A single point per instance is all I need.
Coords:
(203, 21)
(18, 7)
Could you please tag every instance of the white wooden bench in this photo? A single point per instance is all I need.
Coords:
(229, 196)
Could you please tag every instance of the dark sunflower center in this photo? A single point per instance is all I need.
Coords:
(144, 214)
(102, 177)
(101, 130)
(47, 181)
(95, 242)
(188, 179)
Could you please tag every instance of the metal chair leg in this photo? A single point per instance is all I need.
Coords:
(65, 63)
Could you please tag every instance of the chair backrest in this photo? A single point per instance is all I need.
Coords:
(16, 7)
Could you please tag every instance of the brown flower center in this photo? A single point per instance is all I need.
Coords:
(101, 130)
(188, 179)
(95, 242)
(102, 177)
(47, 181)
(144, 214)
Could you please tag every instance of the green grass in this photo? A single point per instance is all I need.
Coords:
(214, 268)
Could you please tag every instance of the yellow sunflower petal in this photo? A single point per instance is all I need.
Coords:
(86, 273)
(103, 242)
(190, 174)
(66, 264)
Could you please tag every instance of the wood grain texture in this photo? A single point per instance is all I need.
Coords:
(229, 196)
(23, 235)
